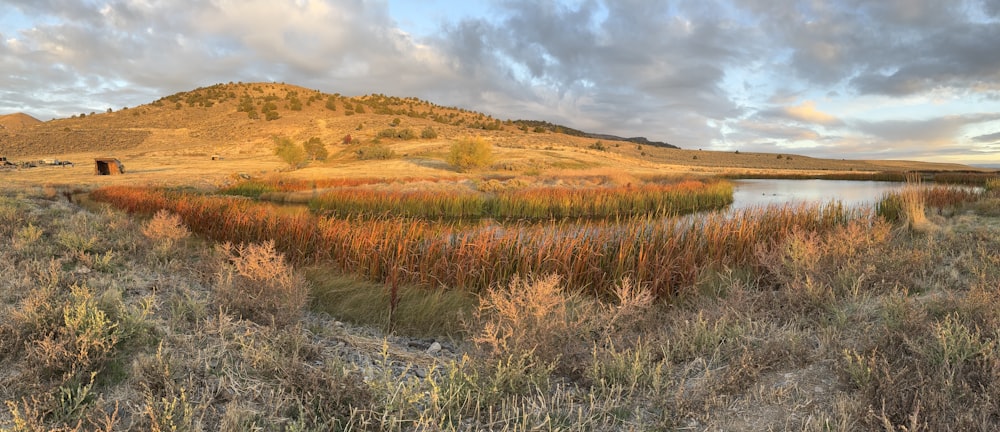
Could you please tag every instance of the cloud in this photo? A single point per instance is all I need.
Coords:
(993, 138)
(757, 130)
(618, 64)
(890, 47)
(672, 70)
(942, 130)
(159, 48)
(807, 112)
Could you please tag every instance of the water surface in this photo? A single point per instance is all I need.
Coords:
(852, 193)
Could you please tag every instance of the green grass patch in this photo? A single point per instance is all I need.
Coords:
(419, 312)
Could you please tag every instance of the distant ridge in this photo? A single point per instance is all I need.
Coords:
(537, 126)
(17, 121)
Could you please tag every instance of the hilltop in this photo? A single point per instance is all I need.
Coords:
(214, 132)
(16, 122)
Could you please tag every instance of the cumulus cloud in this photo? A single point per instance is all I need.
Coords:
(621, 64)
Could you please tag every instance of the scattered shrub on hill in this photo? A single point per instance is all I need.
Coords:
(375, 152)
(271, 115)
(331, 103)
(315, 149)
(470, 153)
(245, 105)
(289, 152)
(428, 133)
(391, 133)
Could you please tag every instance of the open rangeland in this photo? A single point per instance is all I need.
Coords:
(553, 287)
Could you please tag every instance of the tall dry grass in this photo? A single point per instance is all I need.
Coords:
(665, 255)
(255, 188)
(840, 323)
(910, 204)
(530, 203)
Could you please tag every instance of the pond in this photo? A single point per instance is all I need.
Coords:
(764, 192)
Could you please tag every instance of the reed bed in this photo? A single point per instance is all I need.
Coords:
(992, 185)
(368, 203)
(903, 205)
(966, 178)
(536, 203)
(665, 255)
(257, 187)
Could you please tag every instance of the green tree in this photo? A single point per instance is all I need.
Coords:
(289, 152)
(470, 153)
(315, 149)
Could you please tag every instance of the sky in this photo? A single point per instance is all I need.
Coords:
(850, 79)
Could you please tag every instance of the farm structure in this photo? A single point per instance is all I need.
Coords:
(108, 166)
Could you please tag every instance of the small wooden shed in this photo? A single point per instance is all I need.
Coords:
(108, 166)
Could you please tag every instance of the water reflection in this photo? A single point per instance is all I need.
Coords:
(851, 193)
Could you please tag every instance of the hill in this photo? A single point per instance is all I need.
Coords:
(212, 133)
(16, 122)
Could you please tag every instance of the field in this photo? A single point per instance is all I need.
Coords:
(565, 286)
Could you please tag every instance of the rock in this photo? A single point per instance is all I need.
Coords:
(421, 372)
(434, 348)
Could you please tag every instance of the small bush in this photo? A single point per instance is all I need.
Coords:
(428, 133)
(392, 133)
(530, 317)
(315, 149)
(470, 153)
(289, 152)
(166, 228)
(81, 342)
(992, 185)
(256, 283)
(556, 329)
(375, 152)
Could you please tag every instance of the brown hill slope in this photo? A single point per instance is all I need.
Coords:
(16, 122)
(238, 121)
